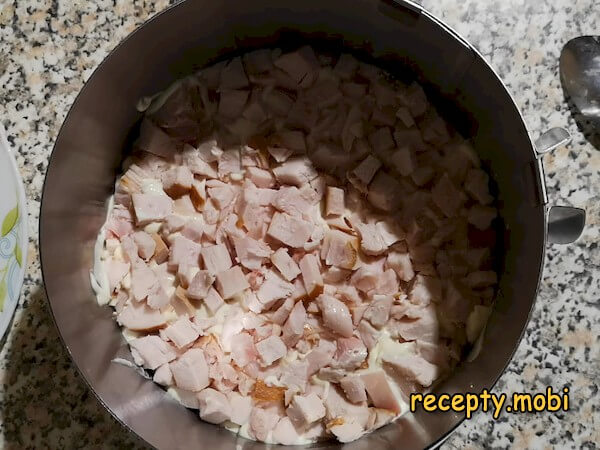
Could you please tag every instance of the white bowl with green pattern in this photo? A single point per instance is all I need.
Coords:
(13, 234)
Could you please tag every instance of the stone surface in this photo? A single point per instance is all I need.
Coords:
(49, 48)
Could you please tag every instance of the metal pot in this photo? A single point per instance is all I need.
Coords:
(397, 33)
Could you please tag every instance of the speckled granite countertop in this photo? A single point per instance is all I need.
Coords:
(47, 50)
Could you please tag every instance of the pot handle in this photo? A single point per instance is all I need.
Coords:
(565, 223)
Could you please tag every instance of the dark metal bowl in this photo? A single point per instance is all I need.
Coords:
(95, 134)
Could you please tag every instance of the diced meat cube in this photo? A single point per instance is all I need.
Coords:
(404, 115)
(213, 300)
(231, 282)
(216, 258)
(354, 388)
(378, 311)
(302, 66)
(198, 194)
(280, 154)
(285, 264)
(177, 181)
(282, 313)
(413, 367)
(334, 201)
(273, 288)
(481, 216)
(339, 249)
(289, 230)
(214, 406)
(137, 316)
(365, 171)
(390, 232)
(181, 332)
(384, 192)
(241, 407)
(366, 278)
(250, 252)
(289, 199)
(262, 422)
(230, 162)
(143, 282)
(190, 371)
(346, 66)
(193, 229)
(368, 334)
(243, 350)
(184, 251)
(233, 75)
(151, 207)
(387, 283)
(371, 241)
(277, 101)
(424, 327)
(305, 409)
(320, 356)
(416, 100)
(381, 140)
(380, 392)
(446, 196)
(347, 431)
(145, 244)
(260, 177)
(425, 290)
(477, 186)
(339, 408)
(271, 349)
(200, 161)
(200, 285)
(285, 433)
(404, 161)
(336, 315)
(295, 171)
(293, 329)
(116, 271)
(311, 275)
(350, 354)
(152, 351)
(163, 375)
(221, 196)
(154, 140)
(401, 264)
(232, 102)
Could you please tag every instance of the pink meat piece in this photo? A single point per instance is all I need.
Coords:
(354, 388)
(349, 294)
(413, 367)
(305, 409)
(294, 376)
(143, 282)
(145, 244)
(193, 229)
(182, 332)
(137, 316)
(383, 192)
(154, 140)
(282, 313)
(250, 252)
(446, 196)
(271, 349)
(311, 275)
(425, 290)
(295, 171)
(216, 258)
(339, 249)
(425, 327)
(285, 264)
(221, 196)
(184, 251)
(213, 300)
(214, 406)
(119, 227)
(184, 206)
(350, 354)
(255, 278)
(190, 370)
(195, 161)
(230, 162)
(293, 329)
(151, 207)
(366, 170)
(336, 315)
(477, 186)
(371, 241)
(366, 278)
(301, 65)
(115, 271)
(387, 283)
(289, 230)
(378, 311)
(379, 391)
(241, 407)
(368, 334)
(231, 282)
(285, 433)
(172, 224)
(434, 353)
(358, 312)
(130, 251)
(262, 421)
(334, 201)
(152, 351)
(177, 181)
(232, 102)
(260, 177)
(347, 432)
(163, 375)
(273, 289)
(320, 356)
(289, 200)
(224, 377)
(243, 350)
(401, 264)
(338, 407)
(200, 284)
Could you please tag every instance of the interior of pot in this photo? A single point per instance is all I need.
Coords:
(95, 134)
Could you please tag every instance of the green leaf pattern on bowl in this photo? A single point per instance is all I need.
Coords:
(10, 251)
